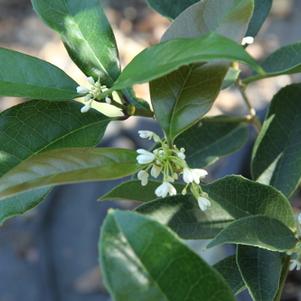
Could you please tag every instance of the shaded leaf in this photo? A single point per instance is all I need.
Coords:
(285, 60)
(22, 75)
(241, 197)
(212, 139)
(259, 231)
(37, 126)
(170, 8)
(168, 56)
(142, 260)
(183, 215)
(133, 191)
(86, 33)
(261, 11)
(68, 165)
(191, 90)
(276, 156)
(261, 271)
(229, 270)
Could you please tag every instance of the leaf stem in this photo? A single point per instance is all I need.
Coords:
(252, 113)
(284, 273)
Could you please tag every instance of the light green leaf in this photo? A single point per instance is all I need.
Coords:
(261, 11)
(37, 126)
(142, 260)
(183, 215)
(261, 271)
(276, 156)
(170, 8)
(22, 75)
(86, 33)
(133, 191)
(285, 60)
(229, 270)
(191, 90)
(68, 165)
(259, 231)
(168, 56)
(212, 139)
(241, 197)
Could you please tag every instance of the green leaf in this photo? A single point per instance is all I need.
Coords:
(133, 191)
(68, 165)
(22, 75)
(183, 215)
(285, 60)
(241, 197)
(261, 271)
(261, 11)
(168, 56)
(142, 260)
(259, 231)
(86, 33)
(212, 139)
(229, 270)
(37, 126)
(276, 156)
(170, 8)
(191, 90)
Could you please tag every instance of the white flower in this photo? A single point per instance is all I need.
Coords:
(145, 157)
(181, 153)
(143, 177)
(247, 41)
(82, 90)
(203, 203)
(294, 264)
(193, 175)
(108, 100)
(149, 135)
(165, 189)
(86, 107)
(91, 80)
(155, 171)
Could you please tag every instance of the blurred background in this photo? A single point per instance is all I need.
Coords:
(50, 254)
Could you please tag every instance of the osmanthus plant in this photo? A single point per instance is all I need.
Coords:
(50, 140)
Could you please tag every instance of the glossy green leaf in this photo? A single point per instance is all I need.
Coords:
(259, 231)
(142, 260)
(285, 60)
(183, 215)
(133, 191)
(212, 139)
(68, 165)
(261, 271)
(241, 197)
(22, 75)
(170, 8)
(37, 126)
(168, 56)
(261, 11)
(182, 97)
(229, 270)
(276, 156)
(86, 33)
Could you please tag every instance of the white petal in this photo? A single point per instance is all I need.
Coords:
(82, 90)
(143, 177)
(299, 218)
(145, 134)
(198, 174)
(145, 159)
(155, 171)
(247, 40)
(108, 100)
(181, 155)
(187, 175)
(293, 264)
(86, 108)
(91, 80)
(162, 190)
(171, 190)
(203, 203)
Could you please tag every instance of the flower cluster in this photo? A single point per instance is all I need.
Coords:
(295, 262)
(169, 162)
(94, 92)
